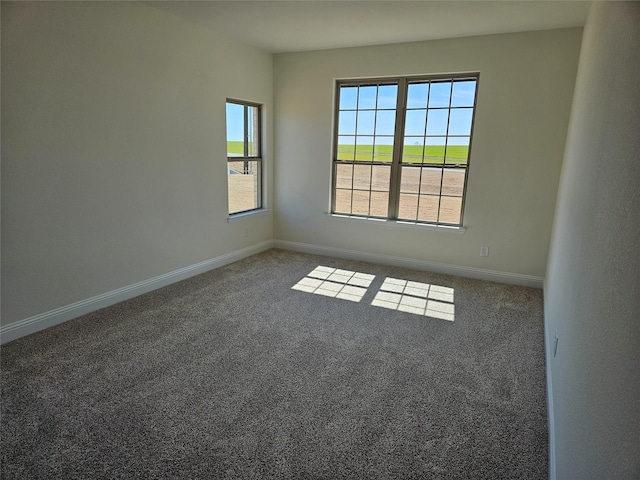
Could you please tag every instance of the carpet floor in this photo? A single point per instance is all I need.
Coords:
(272, 367)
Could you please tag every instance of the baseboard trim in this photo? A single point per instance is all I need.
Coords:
(551, 421)
(48, 319)
(468, 272)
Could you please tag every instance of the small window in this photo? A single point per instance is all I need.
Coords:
(244, 156)
(401, 148)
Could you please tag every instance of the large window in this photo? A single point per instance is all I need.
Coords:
(244, 156)
(401, 148)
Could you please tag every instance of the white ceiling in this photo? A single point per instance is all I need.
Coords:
(299, 25)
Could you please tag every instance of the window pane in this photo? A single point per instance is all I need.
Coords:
(344, 175)
(412, 149)
(414, 122)
(440, 94)
(430, 181)
(385, 122)
(434, 149)
(387, 96)
(460, 121)
(367, 97)
(360, 203)
(383, 150)
(380, 176)
(253, 147)
(379, 204)
(457, 150)
(364, 149)
(346, 148)
(410, 180)
(417, 95)
(428, 210)
(366, 121)
(362, 177)
(408, 207)
(348, 98)
(453, 182)
(235, 130)
(343, 201)
(347, 123)
(450, 208)
(243, 178)
(437, 122)
(463, 93)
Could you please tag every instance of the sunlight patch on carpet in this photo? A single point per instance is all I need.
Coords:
(336, 283)
(418, 298)
(415, 297)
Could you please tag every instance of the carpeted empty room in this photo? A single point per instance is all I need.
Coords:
(286, 365)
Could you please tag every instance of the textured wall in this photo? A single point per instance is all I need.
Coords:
(592, 291)
(114, 149)
(524, 99)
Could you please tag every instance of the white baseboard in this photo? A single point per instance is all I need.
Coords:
(59, 315)
(551, 421)
(548, 346)
(460, 271)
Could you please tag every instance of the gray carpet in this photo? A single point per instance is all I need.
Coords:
(232, 374)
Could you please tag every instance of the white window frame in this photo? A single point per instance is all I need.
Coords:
(247, 155)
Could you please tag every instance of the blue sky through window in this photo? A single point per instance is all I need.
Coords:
(430, 107)
(235, 122)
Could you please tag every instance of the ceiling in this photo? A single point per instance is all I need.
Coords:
(299, 25)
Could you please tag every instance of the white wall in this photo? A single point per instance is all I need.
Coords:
(592, 290)
(113, 148)
(524, 99)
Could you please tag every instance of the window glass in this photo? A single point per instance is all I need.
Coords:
(235, 130)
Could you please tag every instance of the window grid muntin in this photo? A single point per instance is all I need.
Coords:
(394, 192)
(246, 158)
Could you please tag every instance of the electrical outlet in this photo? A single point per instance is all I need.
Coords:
(484, 251)
(246, 231)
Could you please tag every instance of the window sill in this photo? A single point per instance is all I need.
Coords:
(236, 217)
(398, 223)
